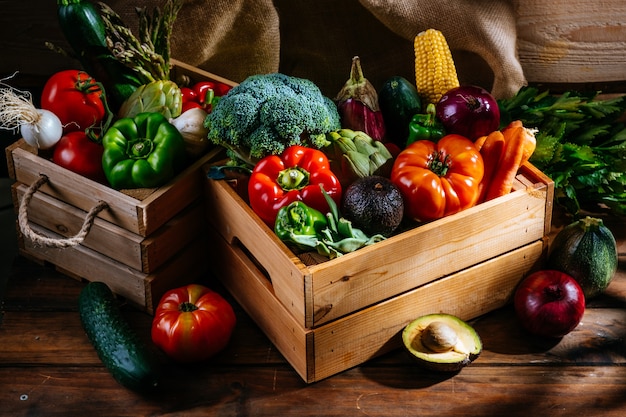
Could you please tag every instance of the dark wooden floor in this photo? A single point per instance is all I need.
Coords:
(48, 367)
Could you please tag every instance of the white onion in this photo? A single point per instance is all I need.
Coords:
(190, 124)
(40, 128)
(45, 133)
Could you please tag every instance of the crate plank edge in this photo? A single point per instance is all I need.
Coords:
(142, 290)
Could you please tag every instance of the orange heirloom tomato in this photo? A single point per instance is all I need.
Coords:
(192, 323)
(438, 179)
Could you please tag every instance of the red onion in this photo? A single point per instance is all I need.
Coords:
(469, 111)
(549, 303)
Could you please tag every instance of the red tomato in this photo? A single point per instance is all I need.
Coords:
(438, 179)
(77, 153)
(192, 323)
(75, 98)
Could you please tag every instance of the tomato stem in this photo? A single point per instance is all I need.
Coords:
(89, 85)
(187, 307)
(438, 165)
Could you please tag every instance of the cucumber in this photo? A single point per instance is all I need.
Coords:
(399, 101)
(119, 348)
(587, 251)
(85, 31)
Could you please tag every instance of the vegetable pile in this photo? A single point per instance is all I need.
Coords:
(439, 144)
(119, 120)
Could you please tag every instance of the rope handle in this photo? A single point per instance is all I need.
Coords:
(42, 240)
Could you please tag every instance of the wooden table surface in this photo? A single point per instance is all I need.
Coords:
(49, 368)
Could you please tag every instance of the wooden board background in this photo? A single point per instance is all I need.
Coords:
(559, 41)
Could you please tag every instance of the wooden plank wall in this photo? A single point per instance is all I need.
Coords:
(563, 41)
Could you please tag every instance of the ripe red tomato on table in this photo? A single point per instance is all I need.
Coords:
(79, 154)
(76, 98)
(192, 323)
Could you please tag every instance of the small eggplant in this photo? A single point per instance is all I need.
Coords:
(357, 103)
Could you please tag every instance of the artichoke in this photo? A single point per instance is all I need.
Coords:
(160, 96)
(354, 154)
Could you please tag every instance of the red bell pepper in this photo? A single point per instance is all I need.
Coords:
(295, 175)
(203, 94)
(192, 323)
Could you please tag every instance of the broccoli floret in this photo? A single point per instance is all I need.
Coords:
(268, 112)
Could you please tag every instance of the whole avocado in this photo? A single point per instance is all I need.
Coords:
(373, 204)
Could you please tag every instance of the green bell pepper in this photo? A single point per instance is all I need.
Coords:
(298, 225)
(144, 151)
(426, 126)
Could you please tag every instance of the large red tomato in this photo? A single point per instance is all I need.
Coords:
(192, 323)
(438, 179)
(75, 98)
(76, 152)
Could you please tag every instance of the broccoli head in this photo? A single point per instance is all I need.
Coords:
(267, 113)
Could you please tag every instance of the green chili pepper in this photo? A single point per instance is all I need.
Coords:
(425, 126)
(299, 225)
(142, 152)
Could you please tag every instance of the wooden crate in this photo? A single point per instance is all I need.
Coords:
(327, 317)
(146, 241)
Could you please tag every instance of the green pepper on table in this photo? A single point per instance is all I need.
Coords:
(144, 151)
(425, 126)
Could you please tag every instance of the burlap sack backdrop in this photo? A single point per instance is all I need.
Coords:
(317, 39)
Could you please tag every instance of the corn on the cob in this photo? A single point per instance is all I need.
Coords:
(435, 72)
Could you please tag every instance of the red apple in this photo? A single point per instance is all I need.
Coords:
(549, 303)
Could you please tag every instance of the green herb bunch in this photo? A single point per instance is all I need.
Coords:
(581, 144)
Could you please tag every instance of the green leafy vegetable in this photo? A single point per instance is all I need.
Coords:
(581, 144)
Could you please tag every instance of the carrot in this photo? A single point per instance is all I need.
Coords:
(530, 142)
(480, 142)
(491, 151)
(514, 123)
(502, 181)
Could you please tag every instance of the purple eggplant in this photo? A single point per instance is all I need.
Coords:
(357, 103)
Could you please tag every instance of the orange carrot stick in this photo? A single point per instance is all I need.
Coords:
(530, 142)
(502, 181)
(480, 142)
(491, 151)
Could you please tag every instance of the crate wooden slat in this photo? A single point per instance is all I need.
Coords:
(319, 293)
(141, 289)
(142, 217)
(145, 254)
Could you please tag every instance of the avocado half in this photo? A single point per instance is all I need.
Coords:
(441, 342)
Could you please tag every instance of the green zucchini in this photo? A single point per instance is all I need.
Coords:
(587, 251)
(119, 348)
(85, 31)
(399, 101)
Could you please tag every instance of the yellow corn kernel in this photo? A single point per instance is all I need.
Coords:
(435, 72)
